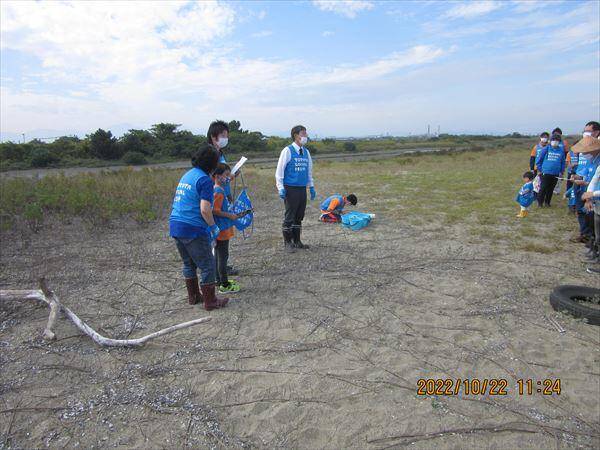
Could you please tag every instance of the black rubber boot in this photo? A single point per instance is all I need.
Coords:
(296, 232)
(287, 242)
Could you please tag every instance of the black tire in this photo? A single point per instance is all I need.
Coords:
(572, 299)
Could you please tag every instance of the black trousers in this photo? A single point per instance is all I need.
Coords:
(221, 257)
(295, 206)
(546, 189)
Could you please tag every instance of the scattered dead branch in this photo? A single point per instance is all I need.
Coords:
(48, 297)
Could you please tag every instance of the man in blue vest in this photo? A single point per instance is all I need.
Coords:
(292, 177)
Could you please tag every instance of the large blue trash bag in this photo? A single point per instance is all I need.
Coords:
(240, 205)
(356, 220)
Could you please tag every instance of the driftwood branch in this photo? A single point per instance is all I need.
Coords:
(48, 297)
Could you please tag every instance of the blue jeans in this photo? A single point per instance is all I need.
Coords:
(584, 227)
(196, 253)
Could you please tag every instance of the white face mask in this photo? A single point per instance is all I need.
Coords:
(587, 133)
(554, 143)
(544, 140)
(303, 140)
(222, 142)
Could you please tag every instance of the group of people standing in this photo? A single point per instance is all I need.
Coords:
(201, 203)
(550, 159)
(201, 216)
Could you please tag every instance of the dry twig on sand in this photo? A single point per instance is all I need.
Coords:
(47, 296)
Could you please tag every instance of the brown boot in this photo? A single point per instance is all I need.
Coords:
(211, 301)
(194, 295)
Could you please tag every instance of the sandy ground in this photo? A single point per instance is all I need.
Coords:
(322, 349)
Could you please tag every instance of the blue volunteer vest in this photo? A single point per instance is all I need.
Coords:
(591, 169)
(525, 195)
(582, 165)
(327, 202)
(553, 162)
(296, 170)
(227, 185)
(186, 204)
(538, 148)
(223, 222)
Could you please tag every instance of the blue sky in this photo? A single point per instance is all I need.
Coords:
(342, 68)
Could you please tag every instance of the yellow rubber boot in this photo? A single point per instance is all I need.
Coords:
(525, 213)
(520, 215)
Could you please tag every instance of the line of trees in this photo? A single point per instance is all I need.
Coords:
(162, 142)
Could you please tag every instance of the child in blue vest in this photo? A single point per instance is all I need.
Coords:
(571, 200)
(525, 195)
(333, 206)
(224, 219)
(292, 177)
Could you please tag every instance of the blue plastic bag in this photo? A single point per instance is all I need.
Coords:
(241, 205)
(356, 220)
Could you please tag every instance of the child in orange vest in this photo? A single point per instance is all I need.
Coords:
(332, 207)
(224, 220)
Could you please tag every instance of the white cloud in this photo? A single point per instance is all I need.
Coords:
(523, 6)
(327, 33)
(261, 34)
(472, 9)
(346, 8)
(420, 54)
(591, 76)
(100, 40)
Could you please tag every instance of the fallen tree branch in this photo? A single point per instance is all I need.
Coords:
(48, 297)
(500, 428)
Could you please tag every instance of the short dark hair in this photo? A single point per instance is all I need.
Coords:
(215, 129)
(529, 175)
(557, 131)
(352, 199)
(221, 168)
(206, 159)
(545, 134)
(296, 130)
(595, 125)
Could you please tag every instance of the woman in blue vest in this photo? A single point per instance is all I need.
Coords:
(193, 227)
(550, 163)
(292, 177)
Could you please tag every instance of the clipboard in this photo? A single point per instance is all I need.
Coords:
(238, 165)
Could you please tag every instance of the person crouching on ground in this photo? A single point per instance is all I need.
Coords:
(192, 226)
(292, 177)
(224, 219)
(525, 195)
(551, 163)
(333, 206)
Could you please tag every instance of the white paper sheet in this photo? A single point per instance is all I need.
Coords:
(239, 165)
